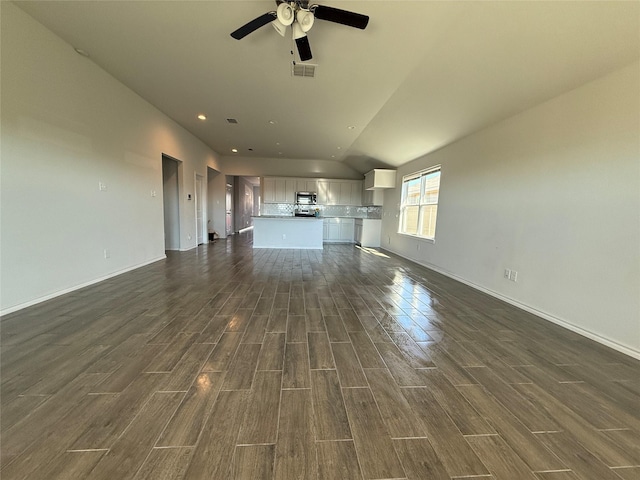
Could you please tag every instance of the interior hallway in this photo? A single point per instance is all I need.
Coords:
(228, 362)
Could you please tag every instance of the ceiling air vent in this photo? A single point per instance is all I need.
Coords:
(232, 120)
(303, 70)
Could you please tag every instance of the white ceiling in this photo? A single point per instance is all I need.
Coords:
(422, 75)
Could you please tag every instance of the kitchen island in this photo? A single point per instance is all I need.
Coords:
(287, 232)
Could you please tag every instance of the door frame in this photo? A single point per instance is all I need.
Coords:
(199, 204)
(172, 200)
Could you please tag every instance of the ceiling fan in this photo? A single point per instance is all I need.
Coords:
(300, 16)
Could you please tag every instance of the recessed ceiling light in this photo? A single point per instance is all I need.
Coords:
(339, 148)
(272, 122)
(202, 116)
(333, 156)
(351, 127)
(234, 150)
(277, 143)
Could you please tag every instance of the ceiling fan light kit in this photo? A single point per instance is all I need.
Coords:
(301, 17)
(298, 32)
(280, 28)
(305, 19)
(286, 14)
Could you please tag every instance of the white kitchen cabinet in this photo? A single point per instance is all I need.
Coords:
(339, 192)
(356, 192)
(330, 192)
(371, 231)
(345, 194)
(347, 226)
(334, 230)
(281, 190)
(323, 192)
(269, 190)
(338, 230)
(278, 190)
(373, 197)
(306, 185)
(351, 193)
(335, 193)
(289, 191)
(380, 178)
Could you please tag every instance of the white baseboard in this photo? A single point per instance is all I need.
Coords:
(544, 315)
(30, 303)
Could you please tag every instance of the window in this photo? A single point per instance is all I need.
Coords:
(419, 206)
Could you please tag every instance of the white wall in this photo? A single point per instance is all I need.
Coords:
(553, 193)
(66, 126)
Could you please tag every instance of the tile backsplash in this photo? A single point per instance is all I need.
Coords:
(329, 211)
(284, 209)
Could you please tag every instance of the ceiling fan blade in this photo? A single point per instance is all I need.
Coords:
(343, 17)
(253, 25)
(304, 49)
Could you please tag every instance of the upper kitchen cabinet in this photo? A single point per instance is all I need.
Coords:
(340, 192)
(268, 190)
(278, 190)
(380, 178)
(306, 185)
(375, 183)
(330, 192)
(351, 193)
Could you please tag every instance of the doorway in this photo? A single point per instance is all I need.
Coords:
(229, 209)
(171, 204)
(199, 210)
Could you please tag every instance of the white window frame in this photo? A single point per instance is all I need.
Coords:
(406, 202)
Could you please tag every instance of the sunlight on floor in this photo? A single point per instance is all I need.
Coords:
(371, 251)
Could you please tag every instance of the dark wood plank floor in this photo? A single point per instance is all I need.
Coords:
(230, 363)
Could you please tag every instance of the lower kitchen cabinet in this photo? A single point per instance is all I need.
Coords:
(338, 230)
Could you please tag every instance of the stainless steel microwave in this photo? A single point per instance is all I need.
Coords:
(306, 198)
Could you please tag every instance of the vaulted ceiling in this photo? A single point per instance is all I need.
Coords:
(422, 75)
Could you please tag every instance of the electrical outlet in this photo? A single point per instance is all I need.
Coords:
(514, 276)
(507, 274)
(284, 236)
(153, 193)
(107, 253)
(102, 186)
